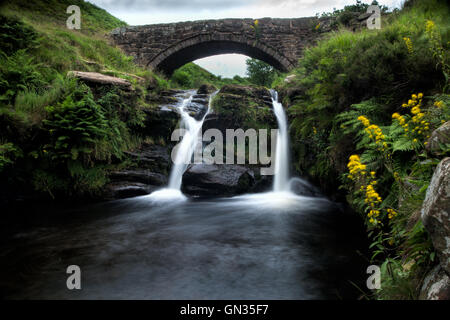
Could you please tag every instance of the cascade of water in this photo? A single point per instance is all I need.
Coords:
(187, 145)
(281, 178)
(185, 150)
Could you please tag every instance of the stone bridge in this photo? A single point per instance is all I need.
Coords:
(166, 47)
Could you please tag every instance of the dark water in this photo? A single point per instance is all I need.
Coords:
(246, 248)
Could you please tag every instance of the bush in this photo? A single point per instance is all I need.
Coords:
(75, 126)
(15, 35)
(18, 73)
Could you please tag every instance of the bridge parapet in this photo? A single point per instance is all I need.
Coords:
(166, 47)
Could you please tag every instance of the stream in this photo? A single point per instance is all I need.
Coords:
(272, 245)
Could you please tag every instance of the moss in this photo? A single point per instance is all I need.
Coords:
(243, 110)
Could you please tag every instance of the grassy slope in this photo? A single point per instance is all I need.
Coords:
(34, 87)
(61, 49)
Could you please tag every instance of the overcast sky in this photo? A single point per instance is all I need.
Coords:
(138, 12)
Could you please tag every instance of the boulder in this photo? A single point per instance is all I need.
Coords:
(435, 212)
(206, 89)
(303, 188)
(139, 175)
(121, 190)
(133, 182)
(260, 94)
(95, 77)
(436, 285)
(289, 78)
(439, 137)
(217, 180)
(242, 107)
(156, 158)
(198, 106)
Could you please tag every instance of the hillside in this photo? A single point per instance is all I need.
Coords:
(369, 114)
(69, 134)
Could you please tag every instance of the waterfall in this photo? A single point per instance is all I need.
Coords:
(281, 178)
(185, 150)
(187, 145)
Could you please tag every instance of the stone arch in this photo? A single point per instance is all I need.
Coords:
(204, 45)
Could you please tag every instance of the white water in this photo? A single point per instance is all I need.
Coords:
(186, 146)
(281, 178)
(184, 154)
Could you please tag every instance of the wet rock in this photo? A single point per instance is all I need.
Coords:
(217, 180)
(262, 183)
(153, 157)
(303, 188)
(261, 94)
(133, 182)
(139, 175)
(436, 285)
(435, 212)
(121, 190)
(206, 89)
(198, 106)
(160, 122)
(439, 137)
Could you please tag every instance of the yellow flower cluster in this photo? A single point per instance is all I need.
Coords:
(438, 104)
(418, 124)
(373, 215)
(368, 182)
(364, 121)
(391, 213)
(372, 199)
(355, 167)
(429, 27)
(401, 120)
(374, 132)
(408, 44)
(315, 130)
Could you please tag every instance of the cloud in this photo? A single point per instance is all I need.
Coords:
(169, 5)
(225, 65)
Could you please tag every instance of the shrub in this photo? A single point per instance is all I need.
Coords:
(75, 126)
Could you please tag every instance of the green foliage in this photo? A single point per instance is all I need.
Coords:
(75, 125)
(55, 129)
(241, 111)
(192, 76)
(349, 79)
(8, 153)
(344, 16)
(93, 20)
(260, 73)
(17, 73)
(15, 35)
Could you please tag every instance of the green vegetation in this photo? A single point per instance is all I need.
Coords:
(192, 76)
(344, 16)
(243, 107)
(260, 73)
(54, 130)
(362, 108)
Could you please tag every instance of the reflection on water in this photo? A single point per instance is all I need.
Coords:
(265, 246)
